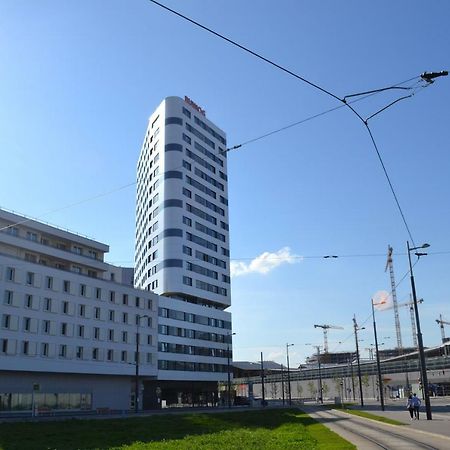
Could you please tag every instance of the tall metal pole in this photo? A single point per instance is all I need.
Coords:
(423, 367)
(136, 380)
(353, 378)
(320, 375)
(288, 374)
(262, 381)
(228, 377)
(380, 381)
(355, 326)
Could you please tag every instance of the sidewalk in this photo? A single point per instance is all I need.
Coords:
(439, 425)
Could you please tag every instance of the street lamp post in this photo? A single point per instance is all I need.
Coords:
(380, 381)
(423, 367)
(288, 373)
(320, 375)
(136, 360)
(228, 369)
(263, 392)
(353, 378)
(356, 328)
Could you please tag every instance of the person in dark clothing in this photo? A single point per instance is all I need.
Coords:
(410, 407)
(416, 404)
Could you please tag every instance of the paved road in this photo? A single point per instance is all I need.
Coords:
(370, 435)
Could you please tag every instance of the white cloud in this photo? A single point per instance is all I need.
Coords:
(264, 263)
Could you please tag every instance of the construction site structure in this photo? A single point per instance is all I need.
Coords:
(441, 322)
(325, 334)
(390, 265)
(410, 305)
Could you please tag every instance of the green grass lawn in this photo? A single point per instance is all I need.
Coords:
(261, 429)
(357, 412)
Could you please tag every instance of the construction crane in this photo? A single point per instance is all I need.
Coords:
(410, 304)
(325, 334)
(441, 324)
(389, 263)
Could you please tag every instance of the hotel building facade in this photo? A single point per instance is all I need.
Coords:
(182, 249)
(70, 321)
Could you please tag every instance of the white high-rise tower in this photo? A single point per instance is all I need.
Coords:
(182, 239)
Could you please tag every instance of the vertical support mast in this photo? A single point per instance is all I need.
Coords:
(390, 264)
(325, 340)
(413, 323)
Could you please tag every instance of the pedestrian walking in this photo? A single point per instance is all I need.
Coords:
(416, 403)
(410, 407)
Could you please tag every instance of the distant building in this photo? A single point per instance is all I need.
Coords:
(243, 369)
(393, 352)
(332, 358)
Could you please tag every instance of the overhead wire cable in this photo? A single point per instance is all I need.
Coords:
(71, 205)
(310, 83)
(80, 202)
(367, 255)
(299, 122)
(246, 49)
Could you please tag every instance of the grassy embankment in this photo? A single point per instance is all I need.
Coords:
(262, 429)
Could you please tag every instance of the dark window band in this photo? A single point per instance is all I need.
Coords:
(173, 147)
(174, 121)
(173, 174)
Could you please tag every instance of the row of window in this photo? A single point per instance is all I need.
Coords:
(205, 257)
(31, 325)
(49, 350)
(209, 179)
(200, 136)
(202, 214)
(200, 241)
(193, 334)
(201, 161)
(34, 237)
(201, 187)
(193, 318)
(202, 270)
(168, 347)
(209, 231)
(191, 366)
(210, 287)
(209, 130)
(30, 301)
(67, 287)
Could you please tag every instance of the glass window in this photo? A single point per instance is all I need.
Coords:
(30, 278)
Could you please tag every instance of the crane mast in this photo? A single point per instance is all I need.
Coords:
(390, 265)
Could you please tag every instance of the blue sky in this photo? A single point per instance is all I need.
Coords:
(79, 80)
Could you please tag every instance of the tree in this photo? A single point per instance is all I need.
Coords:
(365, 381)
(274, 389)
(325, 389)
(299, 389)
(312, 389)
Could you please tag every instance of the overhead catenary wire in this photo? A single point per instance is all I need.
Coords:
(310, 83)
(79, 202)
(315, 116)
(70, 205)
(299, 258)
